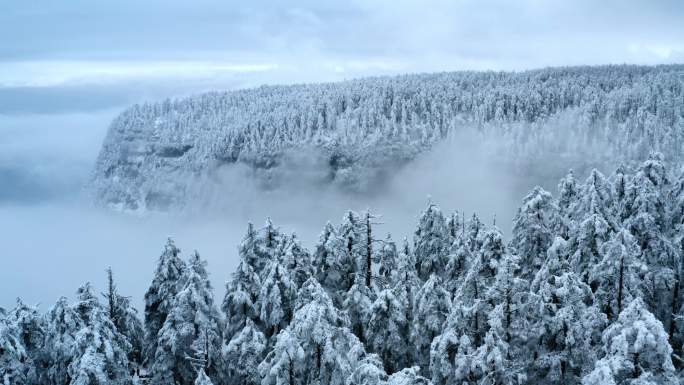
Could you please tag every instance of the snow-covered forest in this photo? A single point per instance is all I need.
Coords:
(161, 155)
(587, 291)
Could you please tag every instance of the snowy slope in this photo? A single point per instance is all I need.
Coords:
(157, 156)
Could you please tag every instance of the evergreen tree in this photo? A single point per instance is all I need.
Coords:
(621, 202)
(285, 364)
(99, 351)
(458, 265)
(15, 364)
(296, 260)
(368, 372)
(505, 344)
(190, 338)
(159, 298)
(30, 326)
(454, 227)
(325, 260)
(533, 230)
(387, 334)
(430, 312)
(406, 287)
(276, 299)
(125, 319)
(61, 325)
(248, 250)
(243, 354)
(408, 376)
(587, 241)
(316, 348)
(568, 197)
(660, 258)
(364, 262)
(351, 235)
(473, 232)
(431, 243)
(387, 262)
(451, 357)
(240, 302)
(567, 325)
(203, 379)
(596, 199)
(490, 364)
(636, 351)
(617, 277)
(471, 296)
(269, 246)
(357, 304)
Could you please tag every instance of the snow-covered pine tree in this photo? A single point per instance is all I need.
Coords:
(351, 234)
(269, 246)
(489, 363)
(386, 260)
(368, 372)
(325, 260)
(596, 197)
(316, 348)
(408, 376)
(285, 364)
(296, 259)
(651, 184)
(276, 299)
(190, 338)
(202, 378)
(568, 197)
(471, 295)
(243, 354)
(454, 227)
(357, 304)
(458, 265)
(587, 240)
(406, 286)
(617, 277)
(505, 344)
(167, 282)
(533, 230)
(451, 356)
(364, 262)
(125, 319)
(30, 325)
(15, 364)
(566, 324)
(248, 250)
(620, 181)
(431, 309)
(473, 232)
(676, 329)
(431, 243)
(636, 351)
(388, 331)
(240, 303)
(99, 351)
(660, 258)
(61, 325)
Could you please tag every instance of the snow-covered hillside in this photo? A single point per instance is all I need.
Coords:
(158, 156)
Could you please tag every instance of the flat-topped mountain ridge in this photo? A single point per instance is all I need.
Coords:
(156, 156)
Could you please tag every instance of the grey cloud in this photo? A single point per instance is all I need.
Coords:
(507, 34)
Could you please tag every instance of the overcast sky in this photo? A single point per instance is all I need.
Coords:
(48, 43)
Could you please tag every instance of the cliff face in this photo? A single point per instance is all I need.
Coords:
(156, 156)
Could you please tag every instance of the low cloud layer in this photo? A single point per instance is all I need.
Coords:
(56, 241)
